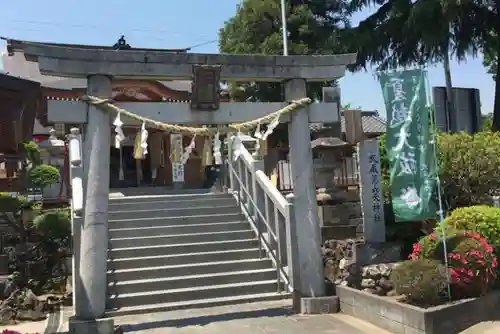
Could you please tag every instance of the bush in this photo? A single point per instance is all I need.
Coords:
(422, 281)
(55, 224)
(33, 152)
(472, 266)
(430, 247)
(42, 176)
(471, 260)
(468, 167)
(11, 204)
(481, 219)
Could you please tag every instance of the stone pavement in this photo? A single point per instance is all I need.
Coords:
(253, 318)
(485, 327)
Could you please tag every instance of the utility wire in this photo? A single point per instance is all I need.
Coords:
(88, 26)
(154, 32)
(202, 44)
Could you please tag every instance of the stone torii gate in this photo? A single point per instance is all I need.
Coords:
(101, 64)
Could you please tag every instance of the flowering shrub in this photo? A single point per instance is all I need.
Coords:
(472, 262)
(430, 246)
(472, 266)
(425, 248)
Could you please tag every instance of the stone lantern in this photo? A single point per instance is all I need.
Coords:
(335, 209)
(54, 154)
(328, 153)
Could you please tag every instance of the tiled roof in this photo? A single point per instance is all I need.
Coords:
(371, 123)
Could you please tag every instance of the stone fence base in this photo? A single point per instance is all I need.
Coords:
(400, 318)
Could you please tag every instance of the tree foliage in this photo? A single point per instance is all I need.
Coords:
(468, 167)
(256, 29)
(490, 60)
(398, 33)
(404, 33)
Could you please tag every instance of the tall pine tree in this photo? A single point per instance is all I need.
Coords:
(412, 32)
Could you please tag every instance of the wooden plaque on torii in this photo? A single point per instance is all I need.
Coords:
(205, 87)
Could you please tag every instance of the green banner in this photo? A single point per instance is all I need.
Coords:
(409, 145)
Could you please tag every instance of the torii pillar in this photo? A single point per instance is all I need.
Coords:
(310, 265)
(94, 232)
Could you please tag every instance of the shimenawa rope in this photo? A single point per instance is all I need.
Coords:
(107, 104)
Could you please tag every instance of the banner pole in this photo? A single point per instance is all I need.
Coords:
(438, 180)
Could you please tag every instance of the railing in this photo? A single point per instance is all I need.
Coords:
(76, 170)
(76, 176)
(271, 215)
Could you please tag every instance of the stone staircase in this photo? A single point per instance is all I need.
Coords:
(184, 250)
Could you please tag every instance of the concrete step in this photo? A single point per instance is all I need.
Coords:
(169, 203)
(141, 241)
(176, 259)
(166, 213)
(157, 191)
(171, 221)
(185, 282)
(187, 269)
(170, 296)
(168, 197)
(179, 229)
(187, 248)
(198, 303)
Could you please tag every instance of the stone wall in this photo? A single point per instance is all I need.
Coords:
(355, 264)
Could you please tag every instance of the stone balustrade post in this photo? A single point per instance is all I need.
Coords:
(292, 250)
(76, 177)
(259, 202)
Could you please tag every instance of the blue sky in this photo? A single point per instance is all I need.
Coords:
(178, 24)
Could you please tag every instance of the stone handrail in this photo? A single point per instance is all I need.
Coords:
(76, 173)
(267, 186)
(76, 177)
(272, 192)
(270, 214)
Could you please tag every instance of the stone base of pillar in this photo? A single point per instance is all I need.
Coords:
(98, 326)
(319, 305)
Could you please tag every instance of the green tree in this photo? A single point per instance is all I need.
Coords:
(490, 60)
(487, 122)
(412, 32)
(401, 33)
(256, 29)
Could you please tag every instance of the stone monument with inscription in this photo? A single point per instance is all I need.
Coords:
(372, 200)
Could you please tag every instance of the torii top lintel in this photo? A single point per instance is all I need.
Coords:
(68, 60)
